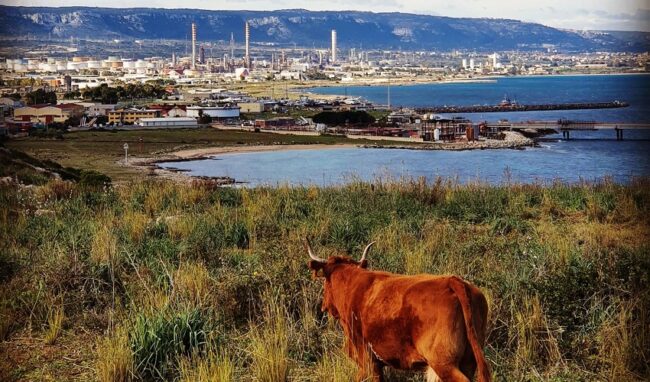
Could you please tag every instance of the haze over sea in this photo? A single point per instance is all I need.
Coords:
(589, 155)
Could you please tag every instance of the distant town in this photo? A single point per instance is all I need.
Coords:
(56, 85)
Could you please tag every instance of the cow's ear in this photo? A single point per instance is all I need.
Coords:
(316, 267)
(363, 264)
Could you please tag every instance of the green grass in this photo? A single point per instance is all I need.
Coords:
(202, 280)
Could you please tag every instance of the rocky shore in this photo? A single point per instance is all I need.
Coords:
(512, 140)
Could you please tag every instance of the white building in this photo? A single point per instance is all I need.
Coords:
(219, 112)
(167, 122)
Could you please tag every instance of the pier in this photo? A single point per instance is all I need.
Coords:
(566, 126)
(521, 107)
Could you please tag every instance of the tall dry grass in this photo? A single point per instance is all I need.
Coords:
(114, 357)
(564, 268)
(269, 343)
(215, 366)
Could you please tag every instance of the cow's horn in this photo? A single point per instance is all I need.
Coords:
(311, 253)
(365, 251)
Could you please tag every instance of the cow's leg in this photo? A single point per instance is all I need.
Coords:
(431, 375)
(449, 373)
(468, 364)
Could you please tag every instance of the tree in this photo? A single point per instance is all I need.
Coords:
(72, 95)
(40, 96)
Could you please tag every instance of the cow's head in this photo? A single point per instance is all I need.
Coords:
(325, 268)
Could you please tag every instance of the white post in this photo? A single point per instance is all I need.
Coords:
(126, 153)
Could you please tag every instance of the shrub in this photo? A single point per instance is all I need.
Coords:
(93, 179)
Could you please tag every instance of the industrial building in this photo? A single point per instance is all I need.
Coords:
(193, 46)
(130, 115)
(333, 45)
(247, 34)
(177, 122)
(226, 112)
(47, 113)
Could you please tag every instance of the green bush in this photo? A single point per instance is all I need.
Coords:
(94, 179)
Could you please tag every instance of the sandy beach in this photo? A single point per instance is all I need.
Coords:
(149, 165)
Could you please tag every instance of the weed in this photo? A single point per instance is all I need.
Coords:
(55, 319)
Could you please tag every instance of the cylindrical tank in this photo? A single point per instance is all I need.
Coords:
(436, 134)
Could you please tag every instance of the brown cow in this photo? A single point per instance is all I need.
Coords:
(419, 322)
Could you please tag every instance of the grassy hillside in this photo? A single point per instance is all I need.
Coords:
(155, 280)
(101, 150)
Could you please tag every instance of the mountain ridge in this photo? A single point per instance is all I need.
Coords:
(384, 30)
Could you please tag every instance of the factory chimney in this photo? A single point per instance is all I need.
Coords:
(232, 45)
(247, 33)
(193, 46)
(333, 45)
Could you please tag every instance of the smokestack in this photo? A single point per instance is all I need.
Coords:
(247, 33)
(232, 45)
(333, 45)
(193, 46)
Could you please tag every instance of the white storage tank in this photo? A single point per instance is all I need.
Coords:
(436, 134)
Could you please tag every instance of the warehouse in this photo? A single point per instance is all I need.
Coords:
(167, 122)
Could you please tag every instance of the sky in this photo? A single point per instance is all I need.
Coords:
(568, 14)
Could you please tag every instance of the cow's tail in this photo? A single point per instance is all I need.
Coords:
(460, 289)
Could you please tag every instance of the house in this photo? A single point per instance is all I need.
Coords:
(91, 108)
(251, 107)
(177, 111)
(225, 112)
(10, 103)
(130, 115)
(242, 73)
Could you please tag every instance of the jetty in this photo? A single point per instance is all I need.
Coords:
(512, 107)
(566, 126)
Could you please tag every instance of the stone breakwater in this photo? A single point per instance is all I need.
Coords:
(512, 140)
(521, 107)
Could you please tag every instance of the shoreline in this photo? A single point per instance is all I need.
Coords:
(295, 88)
(149, 166)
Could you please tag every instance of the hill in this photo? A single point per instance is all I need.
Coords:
(310, 28)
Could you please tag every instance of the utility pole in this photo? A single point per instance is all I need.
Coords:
(126, 153)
